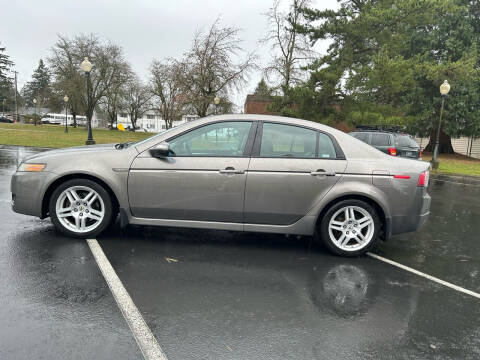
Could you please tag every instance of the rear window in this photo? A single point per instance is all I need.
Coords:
(361, 136)
(380, 140)
(406, 140)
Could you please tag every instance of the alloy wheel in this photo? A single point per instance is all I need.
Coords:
(351, 228)
(80, 209)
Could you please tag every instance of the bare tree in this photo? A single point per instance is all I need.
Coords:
(108, 64)
(65, 86)
(137, 99)
(167, 83)
(290, 48)
(210, 68)
(114, 100)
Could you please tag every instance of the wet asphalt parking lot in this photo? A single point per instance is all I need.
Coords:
(225, 295)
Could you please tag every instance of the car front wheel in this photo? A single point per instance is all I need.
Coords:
(80, 208)
(350, 228)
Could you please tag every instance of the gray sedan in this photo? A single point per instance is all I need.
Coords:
(232, 172)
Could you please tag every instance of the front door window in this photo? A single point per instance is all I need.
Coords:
(218, 139)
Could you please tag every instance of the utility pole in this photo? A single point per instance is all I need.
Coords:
(16, 102)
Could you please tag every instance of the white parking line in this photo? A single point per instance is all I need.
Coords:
(426, 276)
(147, 343)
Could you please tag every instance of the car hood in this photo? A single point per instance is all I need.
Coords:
(76, 149)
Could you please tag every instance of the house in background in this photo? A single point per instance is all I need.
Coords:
(151, 121)
(257, 104)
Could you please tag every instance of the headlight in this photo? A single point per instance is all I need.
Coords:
(31, 167)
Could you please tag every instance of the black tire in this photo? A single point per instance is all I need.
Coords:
(322, 233)
(102, 193)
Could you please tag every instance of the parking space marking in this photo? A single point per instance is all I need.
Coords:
(426, 276)
(147, 343)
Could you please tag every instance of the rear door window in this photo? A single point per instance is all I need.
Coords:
(280, 140)
(380, 140)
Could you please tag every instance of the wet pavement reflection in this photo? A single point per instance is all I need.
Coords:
(247, 296)
(54, 301)
(226, 295)
(448, 246)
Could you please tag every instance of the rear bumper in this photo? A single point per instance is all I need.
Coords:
(416, 218)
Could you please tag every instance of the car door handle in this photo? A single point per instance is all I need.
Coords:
(231, 170)
(320, 172)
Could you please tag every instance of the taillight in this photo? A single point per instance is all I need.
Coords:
(421, 154)
(423, 179)
(392, 151)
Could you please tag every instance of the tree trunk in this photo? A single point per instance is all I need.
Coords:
(133, 120)
(112, 119)
(74, 115)
(444, 145)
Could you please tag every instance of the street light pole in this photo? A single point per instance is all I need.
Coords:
(216, 101)
(65, 99)
(87, 67)
(35, 118)
(444, 89)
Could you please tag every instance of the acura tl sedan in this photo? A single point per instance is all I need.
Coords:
(233, 172)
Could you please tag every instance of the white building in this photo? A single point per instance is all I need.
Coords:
(151, 121)
(463, 145)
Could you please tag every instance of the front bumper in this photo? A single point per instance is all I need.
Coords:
(28, 189)
(416, 218)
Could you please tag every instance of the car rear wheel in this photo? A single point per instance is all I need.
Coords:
(350, 228)
(80, 208)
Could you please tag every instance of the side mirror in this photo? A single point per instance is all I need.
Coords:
(161, 151)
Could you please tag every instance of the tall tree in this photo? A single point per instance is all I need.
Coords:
(137, 99)
(387, 59)
(167, 83)
(39, 87)
(7, 91)
(67, 86)
(211, 68)
(108, 65)
(262, 89)
(289, 47)
(115, 97)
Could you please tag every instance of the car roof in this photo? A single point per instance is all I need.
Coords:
(274, 118)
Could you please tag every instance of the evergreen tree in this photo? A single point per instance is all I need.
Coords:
(262, 89)
(387, 61)
(39, 87)
(7, 90)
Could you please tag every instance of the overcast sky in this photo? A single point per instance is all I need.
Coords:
(146, 29)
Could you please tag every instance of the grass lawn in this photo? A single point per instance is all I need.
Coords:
(455, 164)
(53, 136)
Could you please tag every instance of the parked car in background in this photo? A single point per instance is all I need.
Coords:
(232, 172)
(4, 119)
(389, 140)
